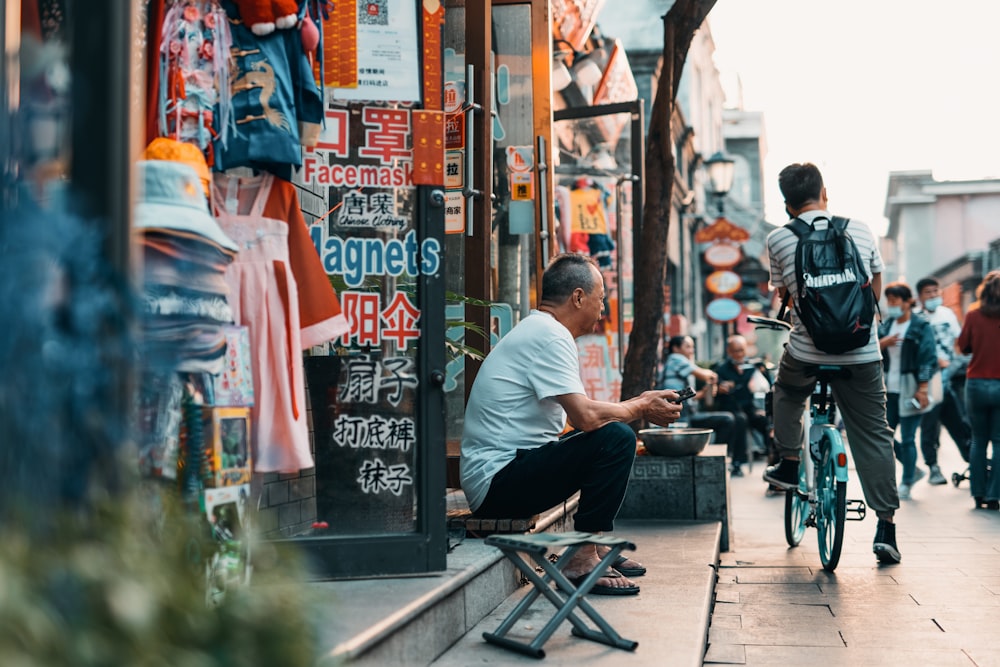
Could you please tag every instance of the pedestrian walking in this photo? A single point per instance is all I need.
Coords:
(909, 357)
(861, 396)
(982, 391)
(950, 412)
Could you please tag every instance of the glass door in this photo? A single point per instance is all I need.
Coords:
(598, 204)
(496, 59)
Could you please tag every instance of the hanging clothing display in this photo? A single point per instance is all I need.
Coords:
(277, 105)
(281, 292)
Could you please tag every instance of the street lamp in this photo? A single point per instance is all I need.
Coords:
(720, 169)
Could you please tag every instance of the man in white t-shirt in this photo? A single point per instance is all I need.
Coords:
(516, 459)
(860, 397)
(949, 412)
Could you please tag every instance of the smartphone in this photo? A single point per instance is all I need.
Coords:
(915, 403)
(684, 394)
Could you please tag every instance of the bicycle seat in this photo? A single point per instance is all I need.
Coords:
(827, 372)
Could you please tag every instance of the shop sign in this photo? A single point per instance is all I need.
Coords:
(386, 138)
(587, 211)
(723, 255)
(573, 20)
(520, 162)
(388, 53)
(723, 309)
(454, 170)
(722, 230)
(723, 283)
(454, 212)
(599, 366)
(355, 258)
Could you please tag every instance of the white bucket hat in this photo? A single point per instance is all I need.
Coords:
(171, 198)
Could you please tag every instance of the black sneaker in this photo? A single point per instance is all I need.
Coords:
(785, 475)
(736, 471)
(885, 543)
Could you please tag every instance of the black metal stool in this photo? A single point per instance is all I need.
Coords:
(564, 596)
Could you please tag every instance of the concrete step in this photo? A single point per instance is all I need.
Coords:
(669, 618)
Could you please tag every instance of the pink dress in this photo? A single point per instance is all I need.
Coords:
(278, 289)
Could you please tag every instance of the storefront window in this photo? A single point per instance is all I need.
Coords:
(594, 191)
(364, 385)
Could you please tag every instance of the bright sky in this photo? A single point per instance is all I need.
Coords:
(865, 87)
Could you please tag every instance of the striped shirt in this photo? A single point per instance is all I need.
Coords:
(781, 244)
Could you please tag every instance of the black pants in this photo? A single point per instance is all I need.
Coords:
(596, 463)
(950, 413)
(721, 422)
(742, 420)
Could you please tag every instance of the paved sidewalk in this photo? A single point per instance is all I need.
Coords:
(940, 606)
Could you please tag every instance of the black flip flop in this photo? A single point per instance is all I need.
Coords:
(601, 589)
(628, 571)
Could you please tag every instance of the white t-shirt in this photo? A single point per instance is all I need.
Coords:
(781, 244)
(895, 354)
(512, 405)
(946, 328)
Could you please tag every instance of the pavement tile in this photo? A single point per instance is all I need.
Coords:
(763, 656)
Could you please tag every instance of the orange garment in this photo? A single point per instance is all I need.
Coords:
(278, 288)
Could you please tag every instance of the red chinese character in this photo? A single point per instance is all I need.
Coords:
(387, 141)
(362, 311)
(400, 319)
(335, 137)
(593, 356)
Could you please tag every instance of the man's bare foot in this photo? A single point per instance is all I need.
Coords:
(584, 562)
(624, 564)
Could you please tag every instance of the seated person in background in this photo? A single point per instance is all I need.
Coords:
(679, 371)
(738, 381)
(516, 460)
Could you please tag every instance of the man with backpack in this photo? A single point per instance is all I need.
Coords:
(829, 270)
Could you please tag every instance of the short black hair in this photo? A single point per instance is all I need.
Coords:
(900, 290)
(800, 184)
(929, 281)
(676, 342)
(565, 273)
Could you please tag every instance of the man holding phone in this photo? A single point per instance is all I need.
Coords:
(517, 458)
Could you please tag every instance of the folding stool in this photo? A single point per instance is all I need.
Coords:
(564, 595)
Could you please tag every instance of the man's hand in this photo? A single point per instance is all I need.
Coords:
(944, 363)
(659, 406)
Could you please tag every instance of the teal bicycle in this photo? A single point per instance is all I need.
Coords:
(820, 501)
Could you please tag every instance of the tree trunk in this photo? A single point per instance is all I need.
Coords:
(679, 26)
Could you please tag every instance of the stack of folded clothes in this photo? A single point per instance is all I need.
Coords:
(185, 298)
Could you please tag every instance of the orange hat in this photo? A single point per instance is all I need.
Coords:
(163, 148)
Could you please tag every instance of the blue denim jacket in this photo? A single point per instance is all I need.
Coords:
(919, 353)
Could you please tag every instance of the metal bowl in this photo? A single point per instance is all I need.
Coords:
(675, 441)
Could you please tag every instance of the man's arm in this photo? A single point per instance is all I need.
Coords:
(589, 415)
(877, 285)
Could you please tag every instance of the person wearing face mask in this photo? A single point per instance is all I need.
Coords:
(909, 357)
(950, 412)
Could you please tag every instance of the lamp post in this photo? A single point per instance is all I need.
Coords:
(720, 169)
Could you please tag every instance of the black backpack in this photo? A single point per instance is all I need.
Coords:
(835, 299)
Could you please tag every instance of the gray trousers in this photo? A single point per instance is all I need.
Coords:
(861, 402)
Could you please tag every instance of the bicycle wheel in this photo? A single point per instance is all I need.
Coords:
(831, 509)
(796, 512)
